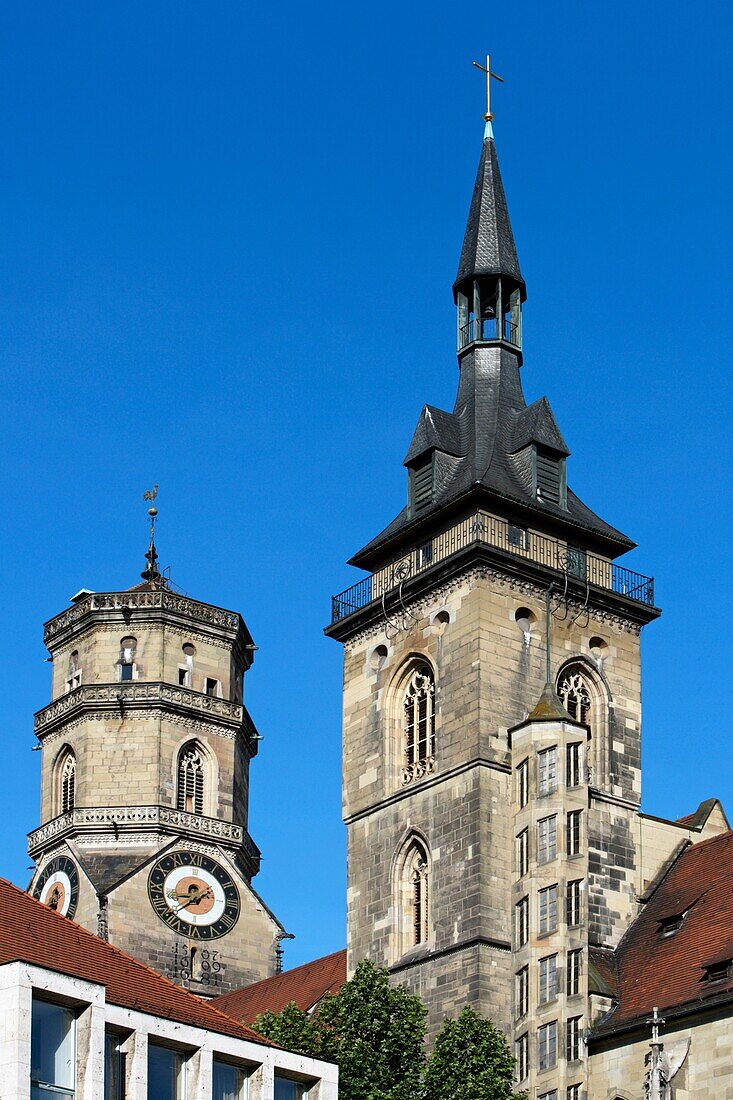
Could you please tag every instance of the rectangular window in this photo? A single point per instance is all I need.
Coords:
(547, 1046)
(551, 1095)
(573, 1092)
(229, 1082)
(548, 979)
(523, 783)
(574, 969)
(184, 676)
(289, 1090)
(212, 687)
(523, 852)
(574, 832)
(572, 765)
(521, 992)
(572, 906)
(126, 671)
(73, 680)
(573, 1038)
(426, 555)
(548, 909)
(53, 1051)
(547, 839)
(518, 537)
(522, 921)
(547, 771)
(166, 1073)
(114, 1067)
(521, 1053)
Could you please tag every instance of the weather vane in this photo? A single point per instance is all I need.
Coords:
(488, 117)
(151, 572)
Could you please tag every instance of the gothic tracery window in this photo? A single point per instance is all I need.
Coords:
(574, 695)
(67, 782)
(415, 902)
(419, 724)
(190, 789)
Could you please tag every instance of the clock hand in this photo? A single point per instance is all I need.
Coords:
(198, 896)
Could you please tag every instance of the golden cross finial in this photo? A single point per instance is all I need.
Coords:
(488, 117)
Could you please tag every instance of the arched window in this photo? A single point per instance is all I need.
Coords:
(418, 716)
(575, 694)
(190, 790)
(413, 902)
(67, 782)
(73, 679)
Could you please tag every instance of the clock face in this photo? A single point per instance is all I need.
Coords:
(193, 895)
(58, 886)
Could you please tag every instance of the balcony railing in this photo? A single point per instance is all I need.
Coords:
(487, 328)
(487, 530)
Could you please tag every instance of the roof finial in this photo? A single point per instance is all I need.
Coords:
(151, 573)
(488, 117)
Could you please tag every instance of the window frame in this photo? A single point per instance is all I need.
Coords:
(574, 903)
(547, 839)
(183, 1056)
(302, 1089)
(548, 975)
(573, 765)
(521, 1054)
(547, 899)
(39, 1088)
(522, 774)
(574, 832)
(244, 1070)
(547, 1040)
(521, 912)
(547, 777)
(522, 852)
(521, 993)
(573, 1039)
(573, 972)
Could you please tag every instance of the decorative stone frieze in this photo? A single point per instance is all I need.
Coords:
(161, 599)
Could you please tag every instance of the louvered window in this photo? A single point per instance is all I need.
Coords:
(549, 470)
(190, 781)
(422, 485)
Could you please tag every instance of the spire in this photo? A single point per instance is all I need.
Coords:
(151, 574)
(488, 243)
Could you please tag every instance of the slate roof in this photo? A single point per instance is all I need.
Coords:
(478, 446)
(488, 244)
(33, 933)
(668, 972)
(305, 985)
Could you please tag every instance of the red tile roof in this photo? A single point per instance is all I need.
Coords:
(33, 933)
(305, 985)
(669, 971)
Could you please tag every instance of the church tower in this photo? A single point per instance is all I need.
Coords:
(146, 746)
(491, 776)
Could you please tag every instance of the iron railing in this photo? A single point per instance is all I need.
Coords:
(485, 529)
(487, 328)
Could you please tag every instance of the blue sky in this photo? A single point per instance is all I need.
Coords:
(229, 236)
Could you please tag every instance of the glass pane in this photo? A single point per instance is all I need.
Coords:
(52, 1045)
(165, 1074)
(289, 1090)
(228, 1082)
(114, 1069)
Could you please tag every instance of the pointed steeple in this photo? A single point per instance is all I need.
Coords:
(488, 244)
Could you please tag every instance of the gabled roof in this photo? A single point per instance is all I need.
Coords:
(488, 244)
(435, 429)
(304, 985)
(668, 972)
(33, 933)
(537, 424)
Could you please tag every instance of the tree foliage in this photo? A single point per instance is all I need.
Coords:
(374, 1031)
(471, 1060)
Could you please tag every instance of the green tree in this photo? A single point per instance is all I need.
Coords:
(295, 1030)
(471, 1060)
(374, 1031)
